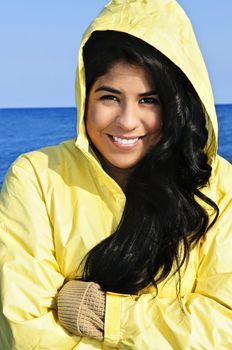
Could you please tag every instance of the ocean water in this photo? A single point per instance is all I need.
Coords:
(23, 130)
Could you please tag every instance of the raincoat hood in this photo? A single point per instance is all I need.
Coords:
(164, 25)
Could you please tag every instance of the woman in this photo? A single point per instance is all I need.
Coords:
(128, 227)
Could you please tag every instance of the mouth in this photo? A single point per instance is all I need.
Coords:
(125, 141)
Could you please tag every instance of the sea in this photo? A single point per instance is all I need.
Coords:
(26, 129)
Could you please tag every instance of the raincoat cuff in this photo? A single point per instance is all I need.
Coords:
(112, 318)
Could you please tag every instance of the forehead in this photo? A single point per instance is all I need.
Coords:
(126, 75)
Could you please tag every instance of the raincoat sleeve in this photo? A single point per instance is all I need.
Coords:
(29, 273)
(146, 322)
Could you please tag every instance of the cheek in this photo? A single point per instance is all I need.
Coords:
(98, 118)
(155, 122)
(93, 120)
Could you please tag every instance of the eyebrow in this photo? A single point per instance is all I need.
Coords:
(115, 91)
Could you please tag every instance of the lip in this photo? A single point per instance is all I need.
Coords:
(127, 137)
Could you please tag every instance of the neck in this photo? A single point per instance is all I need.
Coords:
(120, 175)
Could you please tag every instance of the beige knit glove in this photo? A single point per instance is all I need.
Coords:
(81, 308)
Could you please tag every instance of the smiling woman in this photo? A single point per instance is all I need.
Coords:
(121, 238)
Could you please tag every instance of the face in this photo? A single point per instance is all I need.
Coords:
(124, 115)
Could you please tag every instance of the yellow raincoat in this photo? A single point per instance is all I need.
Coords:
(57, 203)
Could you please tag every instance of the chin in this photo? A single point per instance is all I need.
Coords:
(124, 165)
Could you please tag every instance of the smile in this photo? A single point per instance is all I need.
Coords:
(125, 141)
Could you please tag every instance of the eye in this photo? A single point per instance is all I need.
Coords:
(150, 100)
(109, 98)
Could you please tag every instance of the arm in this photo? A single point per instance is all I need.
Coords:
(29, 273)
(145, 322)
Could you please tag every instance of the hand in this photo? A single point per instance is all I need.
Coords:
(81, 308)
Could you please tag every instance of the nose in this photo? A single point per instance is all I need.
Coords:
(128, 118)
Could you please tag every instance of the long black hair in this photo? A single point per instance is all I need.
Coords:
(162, 219)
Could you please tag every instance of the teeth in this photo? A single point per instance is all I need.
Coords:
(125, 141)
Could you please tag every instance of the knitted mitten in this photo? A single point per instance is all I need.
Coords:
(81, 308)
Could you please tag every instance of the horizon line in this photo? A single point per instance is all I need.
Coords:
(74, 107)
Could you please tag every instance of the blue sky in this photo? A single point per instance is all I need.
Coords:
(40, 39)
